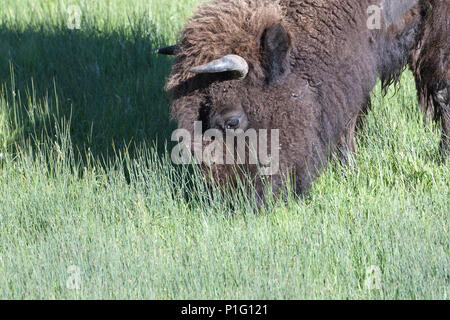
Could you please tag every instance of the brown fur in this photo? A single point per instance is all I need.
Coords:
(317, 92)
(431, 66)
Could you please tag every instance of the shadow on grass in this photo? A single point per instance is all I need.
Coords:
(108, 84)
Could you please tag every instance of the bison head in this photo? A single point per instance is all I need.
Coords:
(233, 71)
(229, 93)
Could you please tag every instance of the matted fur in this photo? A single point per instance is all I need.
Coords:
(224, 27)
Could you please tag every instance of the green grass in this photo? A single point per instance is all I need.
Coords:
(86, 181)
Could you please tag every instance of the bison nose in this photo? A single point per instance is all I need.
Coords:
(232, 123)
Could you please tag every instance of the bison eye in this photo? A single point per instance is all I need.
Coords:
(231, 119)
(232, 123)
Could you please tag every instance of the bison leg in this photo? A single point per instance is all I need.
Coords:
(435, 104)
(430, 63)
(347, 145)
(442, 101)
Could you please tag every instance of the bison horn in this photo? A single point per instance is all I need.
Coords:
(228, 63)
(170, 51)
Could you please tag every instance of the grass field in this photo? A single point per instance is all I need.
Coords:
(92, 207)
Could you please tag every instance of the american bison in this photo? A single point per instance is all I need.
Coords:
(305, 68)
(430, 64)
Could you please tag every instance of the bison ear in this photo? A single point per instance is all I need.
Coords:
(276, 44)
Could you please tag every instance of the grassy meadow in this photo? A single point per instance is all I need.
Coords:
(91, 206)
